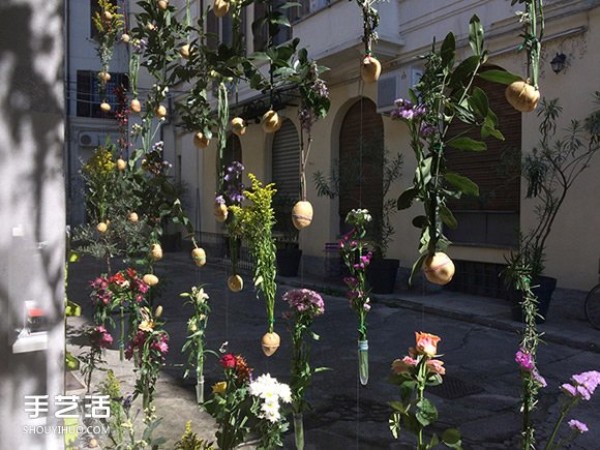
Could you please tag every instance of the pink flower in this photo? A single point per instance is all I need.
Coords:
(524, 360)
(403, 365)
(577, 426)
(435, 366)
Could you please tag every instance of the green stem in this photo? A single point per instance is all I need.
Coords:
(557, 425)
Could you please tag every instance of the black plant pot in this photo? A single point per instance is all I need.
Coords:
(381, 275)
(543, 287)
(288, 261)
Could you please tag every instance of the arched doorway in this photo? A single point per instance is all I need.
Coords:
(361, 155)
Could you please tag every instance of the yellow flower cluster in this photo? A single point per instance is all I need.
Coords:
(100, 164)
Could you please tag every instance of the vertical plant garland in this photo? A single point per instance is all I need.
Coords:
(357, 258)
(255, 225)
(109, 24)
(524, 95)
(305, 306)
(195, 343)
(445, 93)
(370, 67)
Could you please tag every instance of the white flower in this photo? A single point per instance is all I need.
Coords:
(271, 392)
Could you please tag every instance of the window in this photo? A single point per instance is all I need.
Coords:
(88, 94)
(493, 217)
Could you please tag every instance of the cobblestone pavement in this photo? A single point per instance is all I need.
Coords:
(480, 394)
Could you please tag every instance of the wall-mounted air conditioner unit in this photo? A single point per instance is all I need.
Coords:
(87, 140)
(394, 85)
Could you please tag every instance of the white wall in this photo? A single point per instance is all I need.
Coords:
(32, 223)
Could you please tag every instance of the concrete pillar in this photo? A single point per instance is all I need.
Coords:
(32, 218)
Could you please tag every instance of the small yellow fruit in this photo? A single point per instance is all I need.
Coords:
(150, 279)
(133, 217)
(235, 283)
(270, 343)
(522, 96)
(220, 7)
(370, 69)
(102, 227)
(125, 38)
(104, 76)
(185, 51)
(107, 15)
(271, 122)
(156, 252)
(238, 126)
(200, 140)
(302, 214)
(163, 4)
(199, 256)
(221, 212)
(121, 164)
(438, 269)
(104, 106)
(93, 443)
(160, 111)
(135, 105)
(158, 311)
(150, 26)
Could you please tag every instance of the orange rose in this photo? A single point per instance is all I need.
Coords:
(427, 344)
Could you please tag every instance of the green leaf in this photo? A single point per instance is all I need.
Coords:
(499, 76)
(416, 267)
(433, 441)
(462, 183)
(397, 406)
(448, 49)
(395, 424)
(447, 217)
(479, 102)
(464, 70)
(476, 35)
(420, 221)
(451, 437)
(406, 198)
(426, 412)
(467, 144)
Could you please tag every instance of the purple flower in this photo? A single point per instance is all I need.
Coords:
(305, 301)
(524, 360)
(320, 88)
(537, 377)
(582, 385)
(406, 110)
(577, 426)
(100, 337)
(158, 147)
(139, 45)
(220, 199)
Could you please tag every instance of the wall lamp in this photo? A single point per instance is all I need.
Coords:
(559, 62)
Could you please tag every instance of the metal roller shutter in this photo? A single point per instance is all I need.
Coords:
(286, 162)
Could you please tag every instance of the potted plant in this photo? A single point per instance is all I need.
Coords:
(550, 170)
(382, 272)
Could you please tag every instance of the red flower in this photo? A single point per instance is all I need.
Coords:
(228, 361)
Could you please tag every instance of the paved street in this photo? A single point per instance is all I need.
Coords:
(481, 390)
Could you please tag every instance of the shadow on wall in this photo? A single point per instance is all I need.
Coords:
(31, 207)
